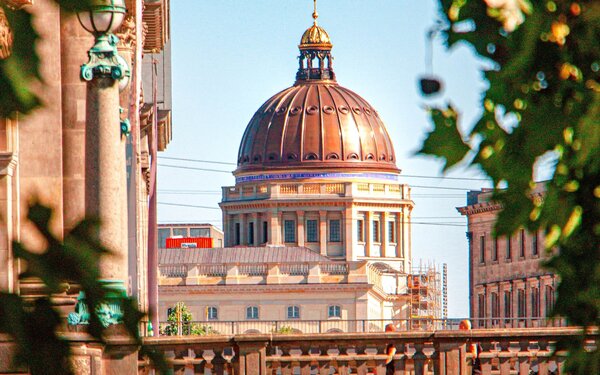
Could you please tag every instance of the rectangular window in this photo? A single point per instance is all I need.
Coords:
(212, 313)
(293, 312)
(508, 248)
(265, 237)
(481, 309)
(250, 233)
(360, 230)
(507, 303)
(535, 303)
(495, 305)
(183, 232)
(238, 239)
(482, 249)
(163, 234)
(252, 312)
(495, 249)
(334, 312)
(534, 244)
(199, 232)
(391, 231)
(312, 231)
(521, 309)
(335, 231)
(522, 243)
(549, 299)
(376, 231)
(289, 230)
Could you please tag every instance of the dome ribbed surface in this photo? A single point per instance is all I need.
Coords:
(316, 125)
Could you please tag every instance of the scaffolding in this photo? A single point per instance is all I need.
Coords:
(427, 296)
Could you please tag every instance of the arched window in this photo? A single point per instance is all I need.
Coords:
(252, 312)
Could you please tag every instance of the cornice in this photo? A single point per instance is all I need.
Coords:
(479, 208)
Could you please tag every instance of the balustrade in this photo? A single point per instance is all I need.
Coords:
(504, 352)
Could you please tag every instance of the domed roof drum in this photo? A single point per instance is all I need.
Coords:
(316, 124)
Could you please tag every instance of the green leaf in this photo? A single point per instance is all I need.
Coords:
(445, 140)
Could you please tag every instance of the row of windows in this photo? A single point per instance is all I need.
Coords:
(289, 231)
(164, 233)
(534, 246)
(292, 312)
(376, 227)
(523, 309)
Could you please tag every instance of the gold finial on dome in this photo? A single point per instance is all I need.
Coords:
(315, 37)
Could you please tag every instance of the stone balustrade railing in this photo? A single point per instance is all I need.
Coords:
(344, 189)
(269, 273)
(504, 352)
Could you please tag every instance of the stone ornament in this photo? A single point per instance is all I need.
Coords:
(126, 34)
(6, 36)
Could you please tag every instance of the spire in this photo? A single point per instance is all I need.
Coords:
(315, 53)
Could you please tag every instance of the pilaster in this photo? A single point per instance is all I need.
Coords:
(323, 232)
(300, 228)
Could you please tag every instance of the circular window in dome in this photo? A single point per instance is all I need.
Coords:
(272, 156)
(281, 110)
(245, 159)
(370, 157)
(353, 156)
(382, 157)
(270, 110)
(367, 111)
(328, 109)
(343, 109)
(312, 109)
(357, 110)
(256, 159)
(294, 111)
(292, 156)
(311, 156)
(332, 156)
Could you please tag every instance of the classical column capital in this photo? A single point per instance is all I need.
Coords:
(8, 163)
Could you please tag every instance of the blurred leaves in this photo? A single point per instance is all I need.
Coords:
(543, 100)
(20, 72)
(34, 325)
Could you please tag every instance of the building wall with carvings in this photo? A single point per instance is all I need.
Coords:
(508, 285)
(42, 154)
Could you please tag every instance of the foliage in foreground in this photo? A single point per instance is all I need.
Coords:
(180, 317)
(34, 324)
(543, 100)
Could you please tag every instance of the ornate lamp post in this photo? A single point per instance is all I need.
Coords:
(105, 168)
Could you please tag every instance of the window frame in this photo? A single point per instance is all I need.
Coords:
(308, 224)
(210, 315)
(332, 232)
(482, 249)
(360, 231)
(289, 228)
(376, 231)
(295, 309)
(334, 308)
(252, 312)
(391, 231)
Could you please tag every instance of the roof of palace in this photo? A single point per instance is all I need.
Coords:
(316, 123)
(254, 255)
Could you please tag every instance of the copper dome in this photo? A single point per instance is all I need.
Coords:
(316, 124)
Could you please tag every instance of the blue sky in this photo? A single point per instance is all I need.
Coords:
(230, 56)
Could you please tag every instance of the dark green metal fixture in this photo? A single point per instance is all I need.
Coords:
(102, 19)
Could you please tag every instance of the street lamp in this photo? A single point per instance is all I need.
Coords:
(101, 19)
(105, 168)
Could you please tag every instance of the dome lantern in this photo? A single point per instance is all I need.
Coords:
(315, 60)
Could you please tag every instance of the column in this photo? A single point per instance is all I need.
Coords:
(384, 233)
(369, 232)
(243, 229)
(399, 235)
(257, 229)
(300, 228)
(349, 232)
(323, 232)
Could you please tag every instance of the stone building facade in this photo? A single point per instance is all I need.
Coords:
(507, 284)
(317, 226)
(42, 154)
(192, 230)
